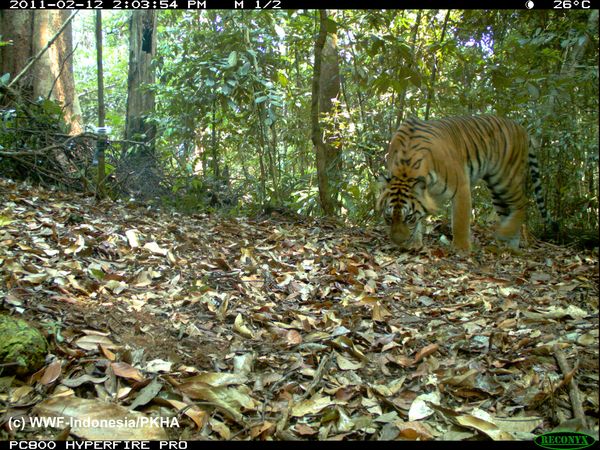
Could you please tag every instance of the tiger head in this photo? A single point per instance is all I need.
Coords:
(405, 200)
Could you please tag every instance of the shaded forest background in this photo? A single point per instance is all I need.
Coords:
(247, 112)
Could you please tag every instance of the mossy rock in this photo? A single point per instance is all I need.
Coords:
(23, 348)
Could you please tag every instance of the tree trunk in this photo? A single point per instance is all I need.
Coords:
(53, 72)
(51, 76)
(100, 69)
(140, 101)
(213, 142)
(325, 87)
(17, 28)
(262, 195)
(101, 143)
(272, 153)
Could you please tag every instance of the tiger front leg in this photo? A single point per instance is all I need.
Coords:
(461, 220)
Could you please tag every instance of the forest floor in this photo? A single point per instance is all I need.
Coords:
(288, 328)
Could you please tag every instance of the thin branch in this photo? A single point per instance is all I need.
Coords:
(93, 90)
(574, 395)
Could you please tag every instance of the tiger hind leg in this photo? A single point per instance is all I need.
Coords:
(509, 230)
(512, 211)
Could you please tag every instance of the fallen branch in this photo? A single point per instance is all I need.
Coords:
(45, 150)
(317, 376)
(574, 395)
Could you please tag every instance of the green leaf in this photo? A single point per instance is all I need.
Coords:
(331, 26)
(261, 99)
(4, 220)
(533, 91)
(4, 79)
(232, 59)
(244, 69)
(283, 80)
(404, 50)
(51, 108)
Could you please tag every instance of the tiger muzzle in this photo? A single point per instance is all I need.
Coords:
(405, 237)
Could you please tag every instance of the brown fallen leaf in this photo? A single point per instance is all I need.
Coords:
(414, 431)
(124, 370)
(154, 248)
(347, 364)
(293, 338)
(311, 405)
(380, 313)
(199, 416)
(425, 351)
(241, 327)
(484, 426)
(304, 430)
(263, 430)
(221, 428)
(92, 342)
(52, 372)
(215, 379)
(420, 408)
(107, 353)
(229, 400)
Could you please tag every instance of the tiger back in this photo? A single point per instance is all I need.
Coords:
(430, 162)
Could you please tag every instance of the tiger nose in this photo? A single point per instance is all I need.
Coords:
(400, 235)
(400, 242)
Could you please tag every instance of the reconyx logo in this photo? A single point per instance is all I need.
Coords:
(559, 440)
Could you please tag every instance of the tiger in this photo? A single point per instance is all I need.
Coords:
(432, 161)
